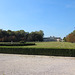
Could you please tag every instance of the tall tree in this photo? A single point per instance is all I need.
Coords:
(20, 35)
(71, 37)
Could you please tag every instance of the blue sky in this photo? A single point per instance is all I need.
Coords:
(54, 17)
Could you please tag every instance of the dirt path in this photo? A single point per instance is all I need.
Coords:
(36, 65)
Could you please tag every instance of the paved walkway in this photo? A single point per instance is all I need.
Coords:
(36, 65)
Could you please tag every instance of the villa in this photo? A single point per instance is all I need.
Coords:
(46, 39)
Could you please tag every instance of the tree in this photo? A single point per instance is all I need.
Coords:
(36, 36)
(71, 37)
(64, 39)
(20, 35)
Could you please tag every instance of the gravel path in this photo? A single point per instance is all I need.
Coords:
(36, 65)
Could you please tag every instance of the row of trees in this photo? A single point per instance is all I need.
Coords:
(20, 35)
(70, 37)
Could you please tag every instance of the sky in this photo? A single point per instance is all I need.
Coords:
(54, 17)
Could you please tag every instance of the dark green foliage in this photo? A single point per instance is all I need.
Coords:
(20, 35)
(39, 51)
(17, 44)
(64, 39)
(22, 42)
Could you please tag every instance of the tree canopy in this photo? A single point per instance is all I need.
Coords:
(20, 35)
(70, 37)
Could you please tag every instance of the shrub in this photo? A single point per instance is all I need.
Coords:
(22, 42)
(39, 51)
(17, 44)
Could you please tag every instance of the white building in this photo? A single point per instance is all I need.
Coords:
(46, 39)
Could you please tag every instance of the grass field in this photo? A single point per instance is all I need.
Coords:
(42, 48)
(60, 45)
(54, 45)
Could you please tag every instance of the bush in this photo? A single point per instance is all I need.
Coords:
(17, 44)
(39, 51)
(22, 42)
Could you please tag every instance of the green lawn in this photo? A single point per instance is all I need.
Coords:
(63, 45)
(55, 45)
(42, 48)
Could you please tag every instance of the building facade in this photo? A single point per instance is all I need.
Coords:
(47, 39)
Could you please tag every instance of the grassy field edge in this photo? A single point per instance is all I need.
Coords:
(42, 48)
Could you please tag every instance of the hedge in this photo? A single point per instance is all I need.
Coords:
(18, 44)
(39, 51)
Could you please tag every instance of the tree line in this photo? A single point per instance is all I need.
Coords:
(20, 35)
(70, 37)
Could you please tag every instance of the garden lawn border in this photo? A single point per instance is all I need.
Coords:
(39, 51)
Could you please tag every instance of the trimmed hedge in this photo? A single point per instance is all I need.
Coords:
(18, 44)
(39, 51)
